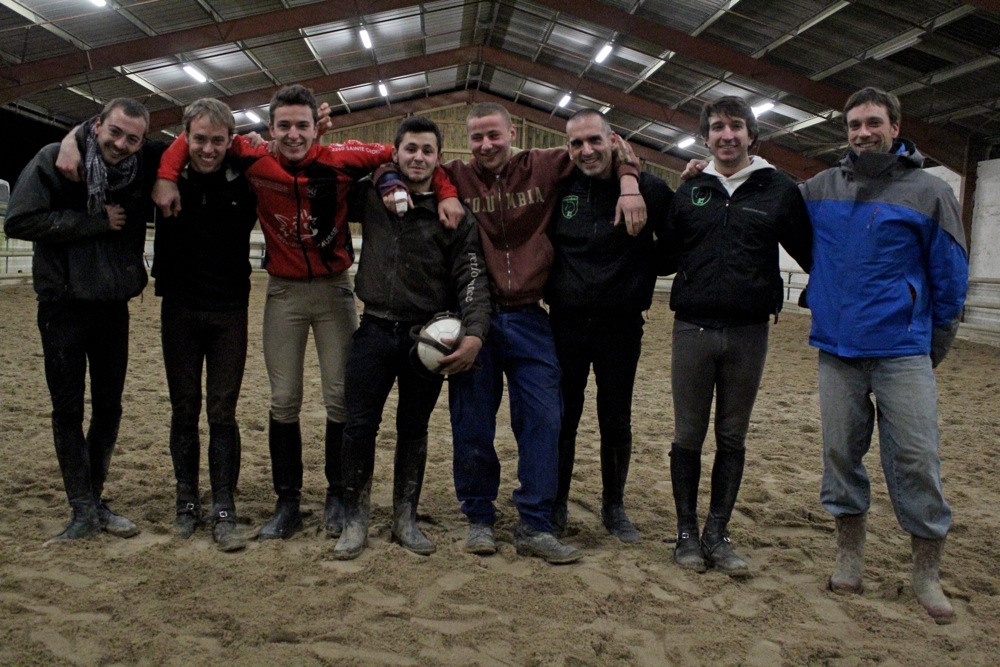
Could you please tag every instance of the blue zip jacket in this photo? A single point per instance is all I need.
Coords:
(889, 258)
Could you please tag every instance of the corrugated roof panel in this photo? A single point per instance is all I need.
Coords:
(286, 56)
(170, 15)
(685, 15)
(980, 29)
(65, 103)
(234, 9)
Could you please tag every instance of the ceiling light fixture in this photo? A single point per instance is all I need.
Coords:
(604, 53)
(382, 90)
(195, 74)
(606, 108)
(762, 108)
(98, 3)
(684, 143)
(565, 100)
(254, 118)
(904, 41)
(365, 39)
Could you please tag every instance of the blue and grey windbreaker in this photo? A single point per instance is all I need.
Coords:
(889, 258)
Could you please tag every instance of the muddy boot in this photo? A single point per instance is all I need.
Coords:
(685, 473)
(101, 439)
(333, 509)
(926, 582)
(285, 444)
(74, 464)
(615, 458)
(357, 510)
(846, 578)
(185, 452)
(560, 507)
(223, 453)
(408, 480)
(727, 474)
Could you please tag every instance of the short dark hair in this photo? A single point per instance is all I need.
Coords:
(484, 109)
(732, 106)
(418, 124)
(587, 111)
(294, 95)
(129, 107)
(217, 113)
(872, 95)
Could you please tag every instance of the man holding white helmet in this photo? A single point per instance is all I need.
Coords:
(411, 268)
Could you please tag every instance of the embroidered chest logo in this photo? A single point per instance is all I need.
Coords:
(570, 206)
(700, 196)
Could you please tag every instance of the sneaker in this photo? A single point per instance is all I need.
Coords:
(481, 540)
(688, 554)
(115, 524)
(531, 542)
(187, 521)
(614, 519)
(722, 557)
(226, 534)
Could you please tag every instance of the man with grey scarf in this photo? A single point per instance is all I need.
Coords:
(88, 262)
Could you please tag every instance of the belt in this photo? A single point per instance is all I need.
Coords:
(390, 325)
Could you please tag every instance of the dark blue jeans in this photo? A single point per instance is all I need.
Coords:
(378, 357)
(193, 339)
(611, 342)
(519, 346)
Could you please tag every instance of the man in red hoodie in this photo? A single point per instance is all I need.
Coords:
(301, 205)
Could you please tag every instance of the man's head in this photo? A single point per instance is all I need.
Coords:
(490, 135)
(872, 119)
(121, 129)
(294, 113)
(209, 125)
(417, 150)
(730, 129)
(588, 140)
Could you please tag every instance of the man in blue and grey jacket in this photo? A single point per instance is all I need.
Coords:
(887, 287)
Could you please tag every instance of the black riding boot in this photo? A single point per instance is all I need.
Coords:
(333, 510)
(223, 457)
(615, 459)
(101, 439)
(185, 452)
(408, 480)
(358, 463)
(685, 473)
(727, 474)
(285, 443)
(560, 508)
(74, 464)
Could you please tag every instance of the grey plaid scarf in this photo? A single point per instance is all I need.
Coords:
(103, 178)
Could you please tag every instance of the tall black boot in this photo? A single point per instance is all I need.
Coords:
(285, 443)
(685, 473)
(102, 436)
(185, 452)
(74, 464)
(333, 509)
(560, 508)
(223, 463)
(358, 463)
(615, 459)
(408, 480)
(727, 475)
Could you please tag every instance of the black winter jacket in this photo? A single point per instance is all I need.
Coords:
(727, 248)
(413, 267)
(598, 266)
(201, 257)
(77, 256)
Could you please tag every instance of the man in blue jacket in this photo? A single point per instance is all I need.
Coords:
(887, 288)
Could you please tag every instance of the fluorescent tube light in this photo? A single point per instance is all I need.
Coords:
(252, 116)
(382, 90)
(195, 74)
(365, 39)
(684, 143)
(565, 100)
(604, 53)
(762, 108)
